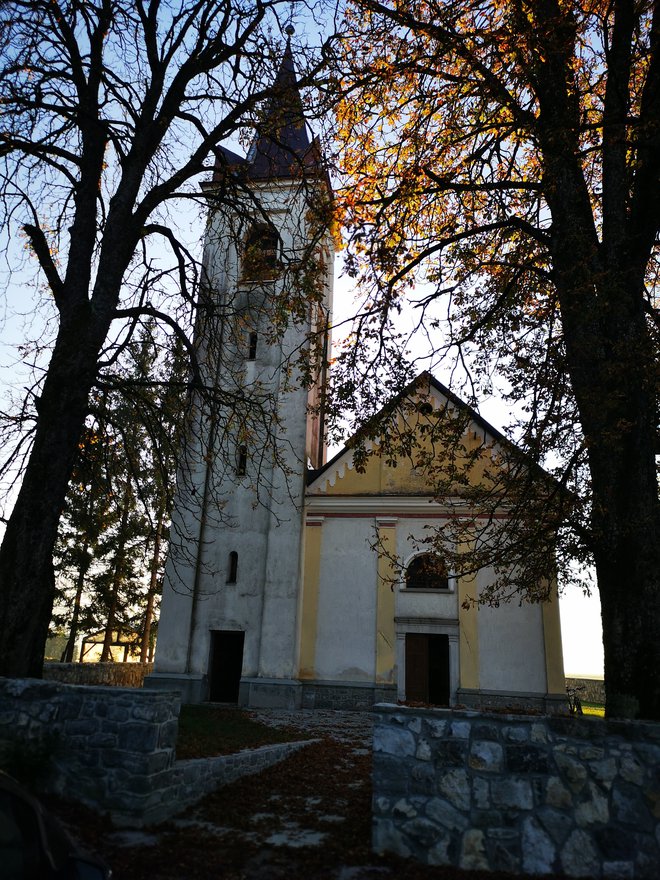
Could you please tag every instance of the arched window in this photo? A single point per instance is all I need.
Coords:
(427, 572)
(261, 251)
(232, 568)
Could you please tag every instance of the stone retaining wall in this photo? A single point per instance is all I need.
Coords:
(516, 793)
(130, 675)
(114, 749)
(593, 689)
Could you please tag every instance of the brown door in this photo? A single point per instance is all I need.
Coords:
(226, 665)
(427, 668)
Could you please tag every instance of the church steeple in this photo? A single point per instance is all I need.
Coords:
(281, 148)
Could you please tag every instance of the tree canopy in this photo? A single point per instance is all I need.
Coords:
(502, 173)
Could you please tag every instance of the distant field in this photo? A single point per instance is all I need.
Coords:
(593, 709)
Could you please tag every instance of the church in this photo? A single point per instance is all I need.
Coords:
(282, 590)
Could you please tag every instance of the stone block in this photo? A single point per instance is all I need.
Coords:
(435, 728)
(512, 792)
(486, 756)
(539, 733)
(423, 752)
(382, 805)
(422, 779)
(486, 818)
(481, 792)
(516, 733)
(473, 851)
(503, 847)
(557, 795)
(403, 808)
(444, 814)
(631, 770)
(573, 772)
(557, 823)
(81, 727)
(136, 736)
(102, 740)
(386, 837)
(393, 741)
(538, 851)
(423, 834)
(485, 730)
(527, 759)
(443, 851)
(118, 713)
(629, 807)
(460, 729)
(454, 785)
(579, 857)
(603, 771)
(451, 753)
(593, 808)
(167, 734)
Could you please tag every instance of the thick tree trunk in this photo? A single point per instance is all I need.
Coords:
(626, 528)
(26, 556)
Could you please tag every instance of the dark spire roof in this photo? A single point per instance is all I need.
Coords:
(281, 147)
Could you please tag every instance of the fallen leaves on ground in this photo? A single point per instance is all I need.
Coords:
(261, 828)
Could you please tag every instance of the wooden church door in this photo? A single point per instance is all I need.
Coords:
(427, 668)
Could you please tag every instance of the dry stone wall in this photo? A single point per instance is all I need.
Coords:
(114, 748)
(532, 794)
(109, 674)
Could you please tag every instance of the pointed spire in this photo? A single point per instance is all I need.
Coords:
(281, 148)
(282, 144)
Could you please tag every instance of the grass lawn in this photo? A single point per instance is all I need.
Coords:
(206, 731)
(593, 709)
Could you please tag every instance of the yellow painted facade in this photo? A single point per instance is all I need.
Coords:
(373, 512)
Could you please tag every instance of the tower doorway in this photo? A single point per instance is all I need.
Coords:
(225, 665)
(427, 668)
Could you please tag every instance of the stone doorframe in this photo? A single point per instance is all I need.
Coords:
(432, 626)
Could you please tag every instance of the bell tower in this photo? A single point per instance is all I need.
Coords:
(230, 614)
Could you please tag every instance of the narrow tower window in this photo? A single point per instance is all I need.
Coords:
(241, 461)
(252, 346)
(232, 569)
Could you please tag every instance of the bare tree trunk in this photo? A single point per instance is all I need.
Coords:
(118, 574)
(67, 656)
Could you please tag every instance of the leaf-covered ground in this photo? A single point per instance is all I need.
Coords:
(205, 731)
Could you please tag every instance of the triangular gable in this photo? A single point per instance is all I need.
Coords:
(340, 477)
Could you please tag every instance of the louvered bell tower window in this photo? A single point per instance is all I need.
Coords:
(261, 252)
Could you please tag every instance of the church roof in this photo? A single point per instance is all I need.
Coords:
(281, 148)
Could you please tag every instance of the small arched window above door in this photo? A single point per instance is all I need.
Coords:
(261, 252)
(428, 571)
